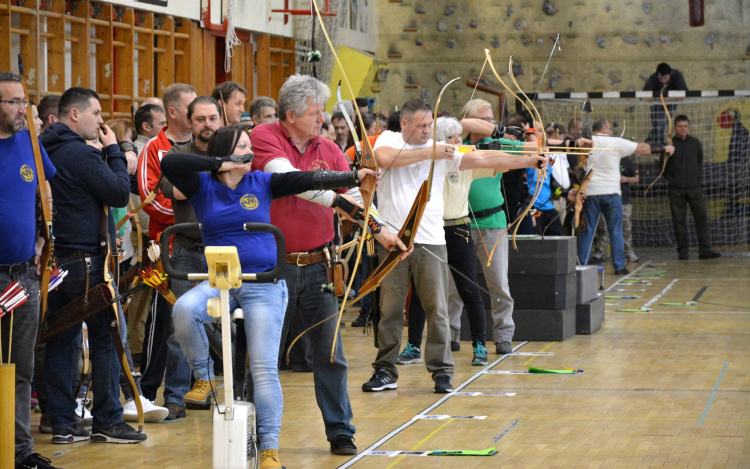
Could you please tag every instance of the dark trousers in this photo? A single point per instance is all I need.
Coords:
(311, 304)
(679, 199)
(462, 258)
(550, 221)
(25, 326)
(59, 355)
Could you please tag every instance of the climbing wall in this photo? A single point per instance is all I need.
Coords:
(606, 45)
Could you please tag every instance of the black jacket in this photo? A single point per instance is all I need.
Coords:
(685, 167)
(83, 184)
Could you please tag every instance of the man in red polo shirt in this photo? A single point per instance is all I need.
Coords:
(294, 144)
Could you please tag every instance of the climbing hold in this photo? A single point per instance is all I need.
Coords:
(426, 95)
(441, 79)
(549, 8)
(630, 39)
(383, 74)
(420, 10)
(526, 41)
(511, 12)
(649, 41)
(442, 26)
(450, 43)
(473, 24)
(495, 43)
(412, 80)
(570, 25)
(608, 8)
(449, 11)
(600, 42)
(711, 40)
(647, 8)
(459, 27)
(614, 79)
(539, 42)
(554, 78)
(517, 69)
(518, 25)
(665, 40)
(419, 42)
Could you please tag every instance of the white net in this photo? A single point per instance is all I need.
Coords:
(718, 123)
(305, 40)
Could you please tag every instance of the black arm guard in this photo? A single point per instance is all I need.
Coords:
(355, 212)
(324, 179)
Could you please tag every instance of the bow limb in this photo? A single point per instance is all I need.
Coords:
(45, 198)
(579, 198)
(139, 207)
(669, 139)
(357, 147)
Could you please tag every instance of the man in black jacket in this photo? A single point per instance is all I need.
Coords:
(669, 79)
(684, 173)
(85, 182)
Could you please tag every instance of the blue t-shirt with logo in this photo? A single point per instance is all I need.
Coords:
(544, 201)
(18, 197)
(223, 212)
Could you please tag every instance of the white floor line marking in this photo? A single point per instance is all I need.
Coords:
(627, 276)
(657, 297)
(429, 409)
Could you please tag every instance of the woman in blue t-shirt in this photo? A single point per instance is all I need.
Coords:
(226, 194)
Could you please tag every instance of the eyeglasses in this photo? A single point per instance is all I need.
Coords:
(14, 103)
(491, 120)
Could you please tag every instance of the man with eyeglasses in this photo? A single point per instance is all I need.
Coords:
(20, 249)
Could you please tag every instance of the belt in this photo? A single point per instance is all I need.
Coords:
(17, 268)
(192, 247)
(305, 258)
(457, 221)
(78, 253)
(488, 212)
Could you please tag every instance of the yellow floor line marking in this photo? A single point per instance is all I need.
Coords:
(542, 350)
(420, 443)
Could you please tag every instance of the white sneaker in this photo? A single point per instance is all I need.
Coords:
(86, 420)
(151, 413)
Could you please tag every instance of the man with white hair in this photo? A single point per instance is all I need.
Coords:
(294, 144)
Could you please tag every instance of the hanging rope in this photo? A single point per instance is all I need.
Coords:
(231, 37)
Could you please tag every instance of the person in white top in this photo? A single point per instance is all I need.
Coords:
(603, 195)
(405, 159)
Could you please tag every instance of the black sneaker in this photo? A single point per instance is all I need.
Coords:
(343, 445)
(709, 255)
(503, 347)
(455, 346)
(443, 384)
(380, 381)
(622, 272)
(68, 435)
(45, 424)
(361, 320)
(121, 433)
(176, 411)
(35, 461)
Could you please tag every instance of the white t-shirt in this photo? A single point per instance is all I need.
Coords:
(398, 190)
(606, 178)
(456, 191)
(560, 169)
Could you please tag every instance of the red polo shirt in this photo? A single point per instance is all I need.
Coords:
(306, 225)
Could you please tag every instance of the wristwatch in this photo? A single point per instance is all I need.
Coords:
(127, 146)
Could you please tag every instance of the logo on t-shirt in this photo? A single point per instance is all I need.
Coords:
(27, 173)
(249, 202)
(453, 178)
(318, 164)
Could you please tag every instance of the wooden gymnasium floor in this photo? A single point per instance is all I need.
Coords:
(668, 388)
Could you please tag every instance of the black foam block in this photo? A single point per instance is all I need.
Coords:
(587, 283)
(543, 325)
(555, 255)
(590, 315)
(543, 291)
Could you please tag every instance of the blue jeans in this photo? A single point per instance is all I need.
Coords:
(177, 377)
(59, 355)
(309, 303)
(264, 305)
(609, 205)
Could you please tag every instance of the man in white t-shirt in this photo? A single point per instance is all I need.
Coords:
(405, 159)
(603, 196)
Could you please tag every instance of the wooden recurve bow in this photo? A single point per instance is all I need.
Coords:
(45, 197)
(139, 207)
(669, 140)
